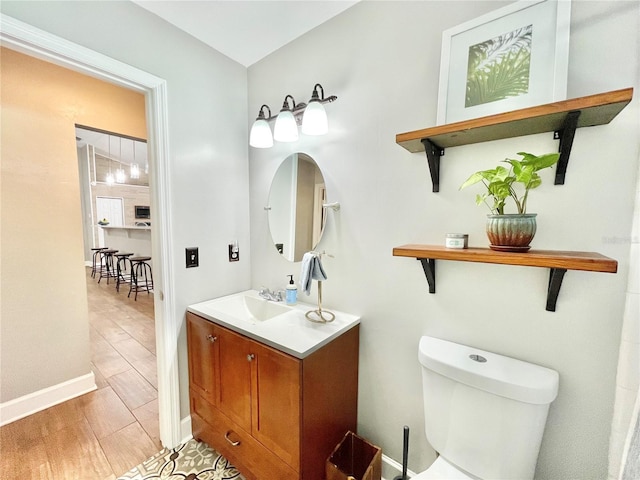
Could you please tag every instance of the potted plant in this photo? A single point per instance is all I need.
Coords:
(511, 232)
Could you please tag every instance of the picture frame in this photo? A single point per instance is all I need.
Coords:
(512, 58)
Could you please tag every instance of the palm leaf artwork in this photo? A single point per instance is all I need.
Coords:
(499, 68)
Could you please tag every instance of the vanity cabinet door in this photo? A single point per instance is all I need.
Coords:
(237, 358)
(204, 366)
(276, 404)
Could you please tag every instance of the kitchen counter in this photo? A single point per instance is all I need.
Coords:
(132, 239)
(133, 227)
(290, 332)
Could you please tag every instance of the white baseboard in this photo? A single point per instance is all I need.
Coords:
(47, 397)
(185, 429)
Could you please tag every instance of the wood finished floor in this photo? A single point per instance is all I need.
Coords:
(102, 434)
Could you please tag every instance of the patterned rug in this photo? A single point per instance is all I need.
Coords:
(190, 461)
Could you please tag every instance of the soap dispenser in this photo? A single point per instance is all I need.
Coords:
(292, 292)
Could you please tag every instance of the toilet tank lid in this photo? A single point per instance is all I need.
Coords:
(500, 375)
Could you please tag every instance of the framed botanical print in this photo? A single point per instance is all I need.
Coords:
(512, 58)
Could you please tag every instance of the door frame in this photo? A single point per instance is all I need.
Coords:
(24, 38)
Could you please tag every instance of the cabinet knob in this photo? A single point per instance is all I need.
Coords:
(233, 444)
(211, 338)
(250, 357)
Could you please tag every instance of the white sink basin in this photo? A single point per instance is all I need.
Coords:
(283, 327)
(262, 309)
(251, 309)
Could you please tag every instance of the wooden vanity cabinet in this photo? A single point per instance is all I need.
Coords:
(272, 415)
(202, 338)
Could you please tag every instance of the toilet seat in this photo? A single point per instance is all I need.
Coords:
(442, 470)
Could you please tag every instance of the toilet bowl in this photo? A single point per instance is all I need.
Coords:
(443, 470)
(484, 413)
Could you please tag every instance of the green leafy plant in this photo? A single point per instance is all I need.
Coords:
(514, 182)
(499, 68)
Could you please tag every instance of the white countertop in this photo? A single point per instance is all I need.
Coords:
(290, 332)
(132, 227)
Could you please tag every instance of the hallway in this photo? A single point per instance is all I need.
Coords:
(104, 433)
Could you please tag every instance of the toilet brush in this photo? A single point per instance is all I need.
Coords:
(405, 454)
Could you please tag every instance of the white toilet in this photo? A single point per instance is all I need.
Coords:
(484, 413)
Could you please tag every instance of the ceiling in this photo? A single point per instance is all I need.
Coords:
(246, 31)
(118, 148)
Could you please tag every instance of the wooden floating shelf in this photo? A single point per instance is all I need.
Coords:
(588, 261)
(597, 109)
(557, 261)
(560, 117)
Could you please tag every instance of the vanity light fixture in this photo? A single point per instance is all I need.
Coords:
(312, 116)
(260, 136)
(314, 120)
(286, 129)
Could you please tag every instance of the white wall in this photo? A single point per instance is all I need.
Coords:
(208, 137)
(382, 61)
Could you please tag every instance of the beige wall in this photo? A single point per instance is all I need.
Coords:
(44, 329)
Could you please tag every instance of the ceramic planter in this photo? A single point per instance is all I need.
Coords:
(511, 232)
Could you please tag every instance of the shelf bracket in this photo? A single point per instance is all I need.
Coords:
(565, 135)
(555, 282)
(434, 153)
(429, 267)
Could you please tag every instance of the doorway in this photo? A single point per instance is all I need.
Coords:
(114, 187)
(31, 41)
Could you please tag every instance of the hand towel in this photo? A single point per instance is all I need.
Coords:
(311, 270)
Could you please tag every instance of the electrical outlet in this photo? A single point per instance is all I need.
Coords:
(191, 254)
(234, 252)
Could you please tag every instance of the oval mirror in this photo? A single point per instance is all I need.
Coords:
(296, 215)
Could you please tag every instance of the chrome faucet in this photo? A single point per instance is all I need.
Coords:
(275, 296)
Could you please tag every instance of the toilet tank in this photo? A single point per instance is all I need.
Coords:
(484, 413)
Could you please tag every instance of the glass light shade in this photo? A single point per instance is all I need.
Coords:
(121, 177)
(260, 136)
(286, 129)
(135, 171)
(110, 180)
(314, 121)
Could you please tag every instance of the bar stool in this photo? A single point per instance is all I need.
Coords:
(107, 268)
(96, 254)
(141, 276)
(123, 274)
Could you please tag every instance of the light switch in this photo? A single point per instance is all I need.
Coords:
(234, 252)
(191, 256)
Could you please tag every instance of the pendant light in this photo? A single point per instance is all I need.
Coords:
(110, 180)
(314, 120)
(260, 136)
(135, 170)
(286, 129)
(121, 177)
